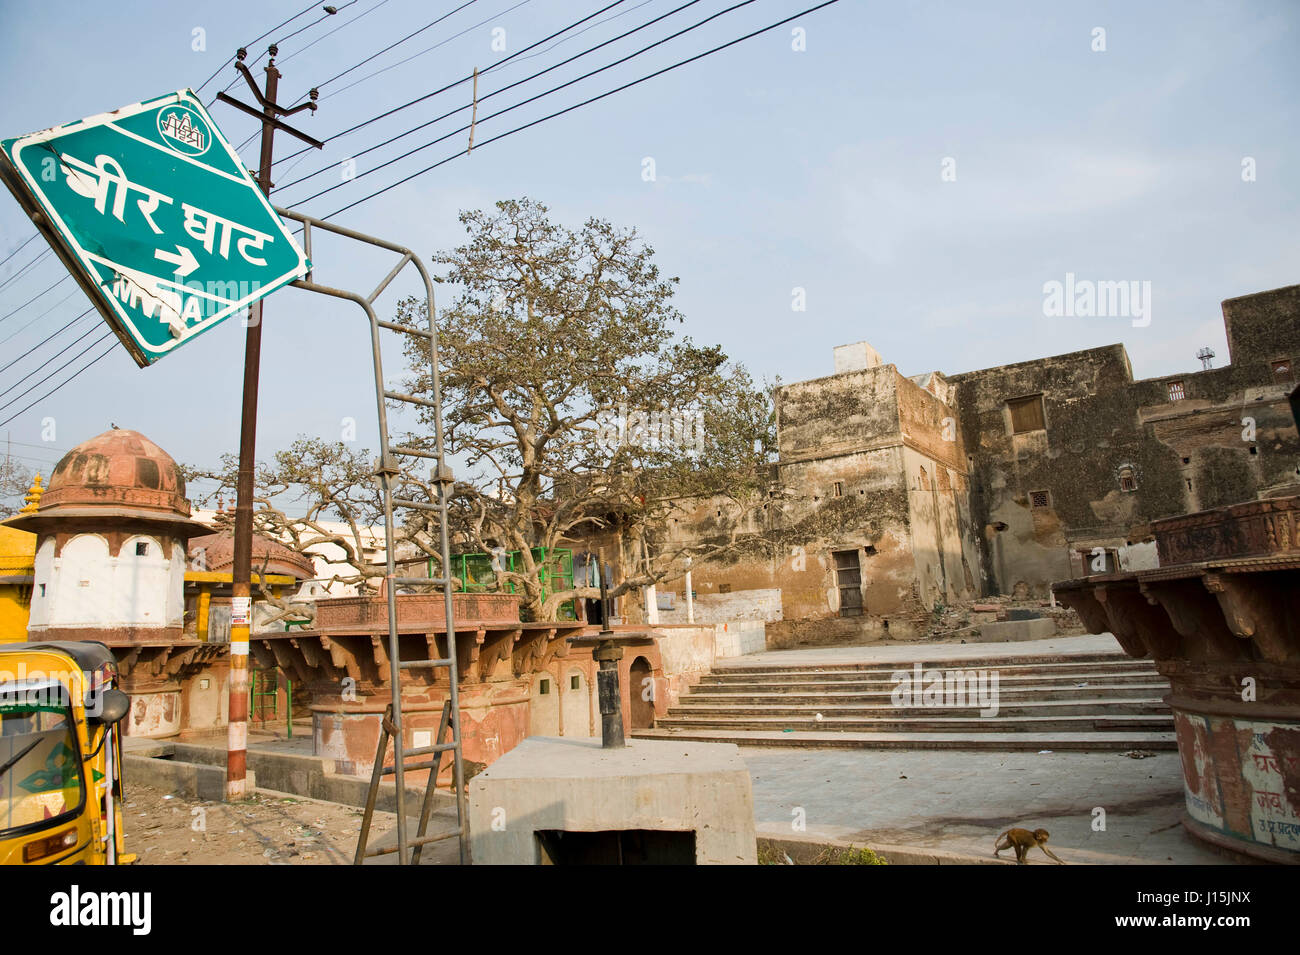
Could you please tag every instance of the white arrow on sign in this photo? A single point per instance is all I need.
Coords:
(185, 262)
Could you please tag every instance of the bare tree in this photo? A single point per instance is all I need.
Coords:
(323, 484)
(571, 406)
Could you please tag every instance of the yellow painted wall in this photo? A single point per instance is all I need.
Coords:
(17, 558)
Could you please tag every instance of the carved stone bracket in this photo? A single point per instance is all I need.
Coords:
(1254, 612)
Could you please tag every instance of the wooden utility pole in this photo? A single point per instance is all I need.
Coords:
(241, 611)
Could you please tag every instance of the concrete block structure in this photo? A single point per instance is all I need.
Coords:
(552, 801)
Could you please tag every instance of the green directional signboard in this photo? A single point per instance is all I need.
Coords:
(152, 211)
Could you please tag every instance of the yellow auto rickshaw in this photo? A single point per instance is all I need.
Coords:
(60, 754)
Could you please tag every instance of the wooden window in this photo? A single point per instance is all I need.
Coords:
(141, 549)
(1176, 392)
(1027, 414)
(1039, 499)
(1127, 480)
(837, 489)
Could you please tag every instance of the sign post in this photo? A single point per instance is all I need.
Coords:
(154, 214)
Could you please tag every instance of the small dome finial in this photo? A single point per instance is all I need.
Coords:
(32, 499)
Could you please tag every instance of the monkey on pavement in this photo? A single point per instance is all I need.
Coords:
(1022, 840)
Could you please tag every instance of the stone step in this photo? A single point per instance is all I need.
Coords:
(978, 662)
(929, 723)
(857, 674)
(797, 696)
(1049, 681)
(694, 710)
(981, 742)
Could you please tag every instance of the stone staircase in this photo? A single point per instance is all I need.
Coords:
(1095, 701)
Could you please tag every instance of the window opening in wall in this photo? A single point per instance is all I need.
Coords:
(1127, 480)
(837, 489)
(1176, 391)
(1281, 368)
(575, 682)
(1187, 460)
(1039, 499)
(1254, 449)
(724, 588)
(1027, 414)
(141, 549)
(543, 687)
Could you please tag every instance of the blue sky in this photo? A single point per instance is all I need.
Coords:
(776, 169)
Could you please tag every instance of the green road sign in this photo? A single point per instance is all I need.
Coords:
(152, 211)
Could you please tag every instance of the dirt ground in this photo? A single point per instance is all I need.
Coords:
(168, 829)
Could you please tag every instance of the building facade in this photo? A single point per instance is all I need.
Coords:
(892, 496)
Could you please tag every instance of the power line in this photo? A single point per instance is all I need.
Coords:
(19, 249)
(390, 46)
(39, 317)
(525, 102)
(17, 275)
(458, 109)
(329, 12)
(231, 59)
(430, 49)
(107, 334)
(64, 351)
(46, 341)
(463, 79)
(15, 311)
(586, 102)
(66, 381)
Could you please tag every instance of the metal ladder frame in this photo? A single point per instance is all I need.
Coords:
(392, 721)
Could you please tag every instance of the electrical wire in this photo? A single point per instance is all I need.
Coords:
(326, 36)
(19, 249)
(231, 59)
(531, 99)
(373, 56)
(463, 79)
(40, 316)
(15, 311)
(19, 274)
(430, 49)
(46, 341)
(586, 102)
(328, 13)
(62, 384)
(30, 388)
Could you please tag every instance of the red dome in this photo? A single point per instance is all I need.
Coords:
(118, 468)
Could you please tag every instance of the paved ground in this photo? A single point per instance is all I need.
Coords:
(921, 652)
(961, 801)
(954, 801)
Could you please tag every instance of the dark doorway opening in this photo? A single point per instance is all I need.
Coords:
(616, 847)
(848, 577)
(641, 694)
